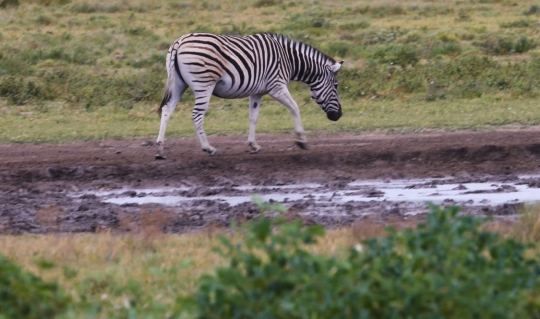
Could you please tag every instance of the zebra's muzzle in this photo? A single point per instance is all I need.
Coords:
(333, 115)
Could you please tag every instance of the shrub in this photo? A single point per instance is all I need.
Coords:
(380, 36)
(90, 7)
(524, 44)
(356, 83)
(517, 24)
(446, 268)
(463, 16)
(210, 6)
(24, 295)
(309, 19)
(445, 37)
(238, 29)
(381, 11)
(266, 3)
(432, 10)
(352, 26)
(447, 48)
(338, 49)
(50, 2)
(18, 91)
(44, 20)
(140, 32)
(534, 9)
(402, 55)
(502, 46)
(9, 3)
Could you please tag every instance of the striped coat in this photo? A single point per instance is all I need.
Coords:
(249, 66)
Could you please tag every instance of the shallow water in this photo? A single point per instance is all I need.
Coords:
(414, 191)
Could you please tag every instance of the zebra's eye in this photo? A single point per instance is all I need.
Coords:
(335, 85)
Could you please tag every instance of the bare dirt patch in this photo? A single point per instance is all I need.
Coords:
(52, 188)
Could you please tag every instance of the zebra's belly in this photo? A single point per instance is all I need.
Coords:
(225, 89)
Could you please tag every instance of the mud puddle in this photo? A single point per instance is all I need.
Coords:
(415, 191)
(66, 187)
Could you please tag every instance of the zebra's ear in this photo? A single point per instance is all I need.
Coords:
(336, 66)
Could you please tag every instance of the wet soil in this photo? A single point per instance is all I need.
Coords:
(53, 187)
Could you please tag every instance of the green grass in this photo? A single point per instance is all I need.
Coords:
(57, 124)
(91, 70)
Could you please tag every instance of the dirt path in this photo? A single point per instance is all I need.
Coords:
(49, 187)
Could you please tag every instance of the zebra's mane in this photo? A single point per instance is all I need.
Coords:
(303, 47)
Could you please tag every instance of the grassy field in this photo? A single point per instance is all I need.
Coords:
(82, 69)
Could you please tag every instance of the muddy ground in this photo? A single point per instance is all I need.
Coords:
(54, 187)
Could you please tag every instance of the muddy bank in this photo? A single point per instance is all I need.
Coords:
(67, 188)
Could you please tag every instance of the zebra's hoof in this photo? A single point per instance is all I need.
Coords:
(210, 151)
(256, 151)
(160, 157)
(302, 145)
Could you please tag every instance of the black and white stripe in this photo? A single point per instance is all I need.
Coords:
(236, 67)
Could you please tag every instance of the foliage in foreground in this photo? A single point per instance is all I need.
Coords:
(24, 295)
(446, 268)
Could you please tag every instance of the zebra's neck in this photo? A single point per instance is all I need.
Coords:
(306, 62)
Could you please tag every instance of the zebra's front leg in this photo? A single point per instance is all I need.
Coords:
(201, 106)
(254, 105)
(284, 96)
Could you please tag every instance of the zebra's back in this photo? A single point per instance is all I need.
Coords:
(238, 66)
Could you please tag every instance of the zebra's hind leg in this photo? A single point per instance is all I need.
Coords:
(202, 99)
(254, 105)
(284, 96)
(171, 98)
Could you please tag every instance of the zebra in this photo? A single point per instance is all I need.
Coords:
(246, 66)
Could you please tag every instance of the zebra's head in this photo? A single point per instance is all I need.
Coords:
(325, 91)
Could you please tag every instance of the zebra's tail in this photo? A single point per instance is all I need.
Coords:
(171, 78)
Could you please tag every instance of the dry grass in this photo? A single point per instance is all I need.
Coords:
(101, 266)
(525, 228)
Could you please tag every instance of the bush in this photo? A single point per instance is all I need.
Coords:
(352, 26)
(524, 44)
(9, 3)
(502, 46)
(381, 36)
(266, 3)
(448, 48)
(338, 48)
(23, 295)
(446, 268)
(356, 83)
(381, 11)
(18, 91)
(238, 29)
(90, 7)
(310, 19)
(534, 9)
(402, 55)
(517, 24)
